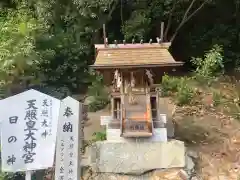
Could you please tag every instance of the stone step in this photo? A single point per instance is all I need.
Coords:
(114, 124)
(85, 161)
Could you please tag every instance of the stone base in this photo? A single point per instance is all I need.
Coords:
(163, 174)
(159, 135)
(136, 157)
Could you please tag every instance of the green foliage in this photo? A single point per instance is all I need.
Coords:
(217, 98)
(209, 66)
(98, 104)
(73, 24)
(137, 25)
(98, 92)
(236, 112)
(185, 93)
(97, 88)
(99, 136)
(169, 84)
(68, 67)
(18, 54)
(58, 93)
(12, 176)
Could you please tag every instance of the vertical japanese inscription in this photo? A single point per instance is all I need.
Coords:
(12, 139)
(70, 164)
(61, 177)
(45, 115)
(50, 117)
(30, 139)
(68, 128)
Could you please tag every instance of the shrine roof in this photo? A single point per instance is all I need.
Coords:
(133, 55)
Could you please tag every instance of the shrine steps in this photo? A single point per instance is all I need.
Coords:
(136, 119)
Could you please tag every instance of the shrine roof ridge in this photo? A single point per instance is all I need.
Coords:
(164, 45)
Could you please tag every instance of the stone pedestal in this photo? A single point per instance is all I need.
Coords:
(160, 133)
(136, 157)
(163, 174)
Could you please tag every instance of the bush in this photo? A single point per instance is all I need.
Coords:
(12, 176)
(217, 98)
(100, 136)
(169, 84)
(99, 93)
(185, 93)
(98, 104)
(236, 113)
(210, 66)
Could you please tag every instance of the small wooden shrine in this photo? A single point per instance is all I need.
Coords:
(133, 71)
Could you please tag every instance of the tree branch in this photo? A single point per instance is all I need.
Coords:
(121, 13)
(186, 18)
(195, 12)
(187, 11)
(115, 2)
(169, 20)
(103, 21)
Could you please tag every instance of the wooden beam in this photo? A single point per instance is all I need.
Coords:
(104, 35)
(112, 106)
(162, 30)
(104, 66)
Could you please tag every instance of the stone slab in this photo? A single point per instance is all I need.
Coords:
(163, 118)
(105, 120)
(162, 174)
(159, 135)
(114, 135)
(136, 157)
(170, 128)
(112, 176)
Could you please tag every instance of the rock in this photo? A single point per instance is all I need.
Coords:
(169, 174)
(85, 162)
(162, 174)
(170, 128)
(89, 100)
(189, 165)
(112, 176)
(192, 154)
(183, 174)
(220, 177)
(194, 178)
(136, 157)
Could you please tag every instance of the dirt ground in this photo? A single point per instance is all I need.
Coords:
(213, 131)
(210, 131)
(93, 124)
